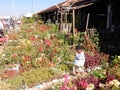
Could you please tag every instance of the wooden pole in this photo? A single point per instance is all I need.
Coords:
(73, 21)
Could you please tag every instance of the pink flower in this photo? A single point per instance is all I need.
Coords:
(83, 84)
(75, 88)
(65, 87)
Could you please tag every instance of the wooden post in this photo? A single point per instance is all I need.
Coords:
(61, 22)
(66, 17)
(73, 21)
(87, 21)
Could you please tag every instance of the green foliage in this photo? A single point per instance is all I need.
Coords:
(5, 86)
(115, 61)
(60, 35)
(38, 75)
(77, 39)
(56, 71)
(34, 18)
(115, 71)
(95, 39)
(100, 74)
(34, 76)
(15, 82)
(115, 88)
(81, 37)
(27, 20)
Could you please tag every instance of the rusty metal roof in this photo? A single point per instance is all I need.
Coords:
(66, 3)
(71, 2)
(52, 8)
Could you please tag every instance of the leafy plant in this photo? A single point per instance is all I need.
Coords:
(99, 73)
(15, 82)
(115, 61)
(38, 75)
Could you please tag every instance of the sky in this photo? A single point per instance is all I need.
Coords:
(19, 7)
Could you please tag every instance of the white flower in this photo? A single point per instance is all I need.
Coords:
(41, 41)
(118, 56)
(90, 87)
(44, 83)
(36, 36)
(116, 83)
(3, 55)
(49, 36)
(111, 83)
(55, 81)
(39, 58)
(61, 80)
(101, 85)
(30, 89)
(42, 54)
(48, 83)
(10, 40)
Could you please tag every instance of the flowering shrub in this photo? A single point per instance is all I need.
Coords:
(39, 46)
(88, 83)
(33, 48)
(96, 59)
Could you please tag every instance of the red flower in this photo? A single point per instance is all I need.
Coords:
(27, 57)
(32, 38)
(47, 42)
(29, 30)
(14, 55)
(40, 49)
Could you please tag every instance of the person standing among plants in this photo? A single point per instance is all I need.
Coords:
(79, 60)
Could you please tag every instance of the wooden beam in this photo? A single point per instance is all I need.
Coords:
(82, 6)
(76, 7)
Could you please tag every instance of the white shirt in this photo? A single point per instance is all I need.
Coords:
(79, 59)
